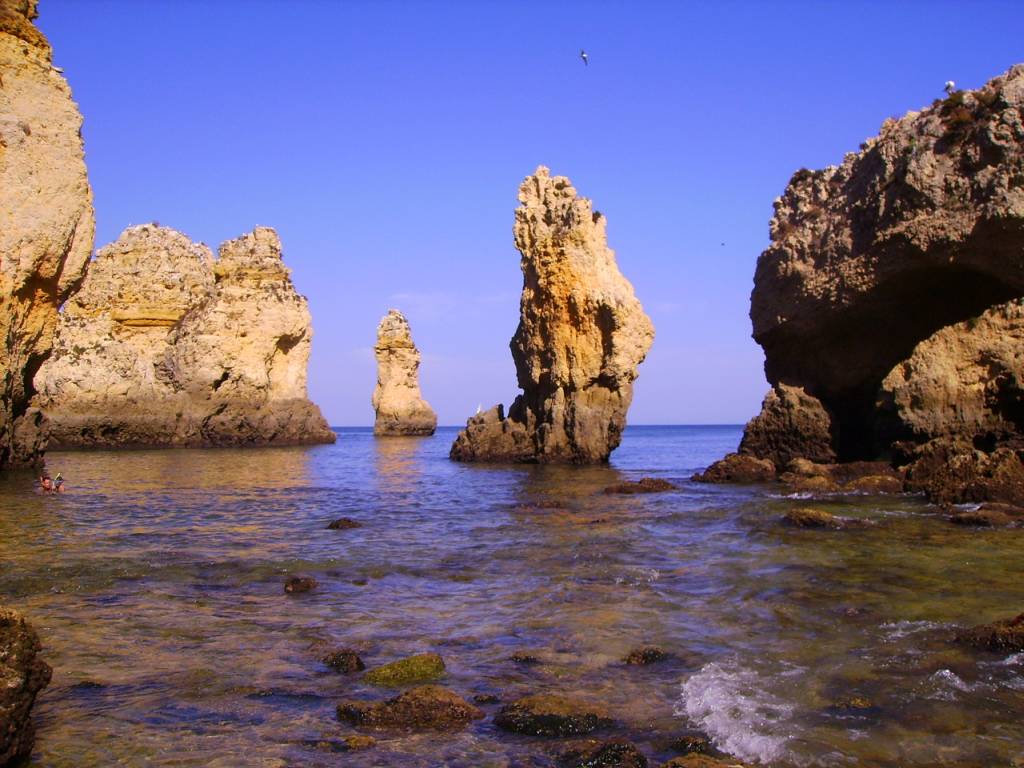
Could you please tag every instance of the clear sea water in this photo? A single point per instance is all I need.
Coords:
(156, 584)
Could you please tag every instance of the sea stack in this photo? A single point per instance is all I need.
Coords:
(582, 335)
(401, 409)
(164, 346)
(886, 303)
(46, 220)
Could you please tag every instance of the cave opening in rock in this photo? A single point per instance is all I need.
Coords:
(843, 364)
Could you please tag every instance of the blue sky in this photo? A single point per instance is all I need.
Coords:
(385, 141)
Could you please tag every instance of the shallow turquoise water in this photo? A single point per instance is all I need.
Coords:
(156, 584)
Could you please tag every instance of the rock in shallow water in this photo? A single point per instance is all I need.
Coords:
(345, 660)
(643, 485)
(551, 715)
(298, 584)
(426, 707)
(999, 636)
(738, 468)
(647, 654)
(343, 524)
(614, 753)
(415, 669)
(22, 676)
(582, 335)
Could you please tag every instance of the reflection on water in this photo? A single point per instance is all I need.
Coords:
(156, 583)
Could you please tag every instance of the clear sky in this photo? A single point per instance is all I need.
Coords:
(385, 141)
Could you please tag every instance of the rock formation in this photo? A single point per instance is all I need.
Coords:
(582, 335)
(46, 219)
(162, 345)
(22, 676)
(881, 303)
(401, 409)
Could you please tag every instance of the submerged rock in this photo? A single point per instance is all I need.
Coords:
(1006, 635)
(614, 753)
(343, 524)
(163, 345)
(647, 654)
(643, 485)
(551, 715)
(415, 669)
(582, 335)
(344, 660)
(701, 761)
(427, 707)
(805, 517)
(888, 301)
(298, 584)
(22, 676)
(692, 743)
(400, 408)
(46, 236)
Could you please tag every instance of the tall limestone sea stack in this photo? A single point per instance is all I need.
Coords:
(165, 346)
(400, 408)
(886, 304)
(46, 219)
(582, 335)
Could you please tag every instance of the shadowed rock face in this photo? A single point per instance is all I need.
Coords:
(163, 345)
(46, 220)
(582, 335)
(886, 303)
(22, 676)
(401, 409)
(921, 229)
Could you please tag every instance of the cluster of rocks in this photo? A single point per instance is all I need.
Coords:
(164, 345)
(582, 335)
(889, 307)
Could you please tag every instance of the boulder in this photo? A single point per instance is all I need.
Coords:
(950, 471)
(344, 660)
(791, 425)
(1006, 635)
(613, 753)
(164, 346)
(426, 707)
(400, 408)
(582, 335)
(22, 676)
(46, 234)
(738, 468)
(644, 655)
(551, 715)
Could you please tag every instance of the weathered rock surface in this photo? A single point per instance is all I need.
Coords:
(886, 303)
(163, 345)
(427, 707)
(582, 335)
(46, 220)
(551, 715)
(401, 409)
(1006, 635)
(414, 669)
(613, 753)
(22, 676)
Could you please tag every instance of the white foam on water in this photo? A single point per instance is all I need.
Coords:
(737, 709)
(895, 630)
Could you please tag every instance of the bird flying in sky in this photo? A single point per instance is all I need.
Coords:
(586, 59)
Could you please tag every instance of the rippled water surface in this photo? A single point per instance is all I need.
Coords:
(157, 586)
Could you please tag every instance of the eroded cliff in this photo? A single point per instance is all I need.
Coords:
(163, 345)
(46, 219)
(399, 405)
(582, 335)
(881, 301)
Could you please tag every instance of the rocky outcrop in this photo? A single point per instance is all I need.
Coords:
(46, 219)
(163, 345)
(22, 676)
(582, 335)
(400, 408)
(885, 303)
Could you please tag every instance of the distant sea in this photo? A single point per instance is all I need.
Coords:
(156, 584)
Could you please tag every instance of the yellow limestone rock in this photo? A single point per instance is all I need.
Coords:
(162, 345)
(401, 409)
(581, 338)
(46, 219)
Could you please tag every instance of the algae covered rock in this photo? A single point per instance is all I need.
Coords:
(22, 676)
(344, 660)
(415, 669)
(426, 707)
(643, 485)
(613, 753)
(551, 715)
(582, 335)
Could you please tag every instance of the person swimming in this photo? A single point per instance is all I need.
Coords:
(51, 485)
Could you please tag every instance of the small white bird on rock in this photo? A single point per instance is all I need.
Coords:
(949, 87)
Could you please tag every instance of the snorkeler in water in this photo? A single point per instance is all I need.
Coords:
(51, 485)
